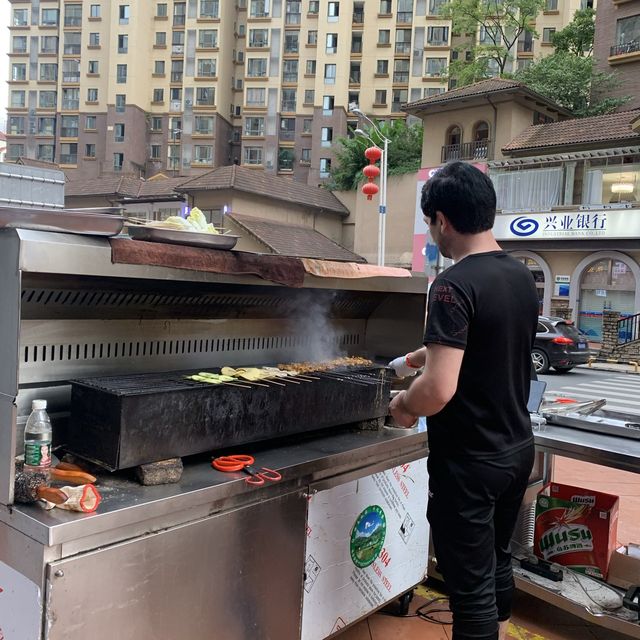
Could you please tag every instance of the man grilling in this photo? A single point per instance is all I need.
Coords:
(481, 323)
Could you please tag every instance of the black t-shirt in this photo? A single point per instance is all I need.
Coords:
(486, 304)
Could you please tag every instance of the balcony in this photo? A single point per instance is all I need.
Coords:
(289, 106)
(71, 78)
(401, 77)
(627, 47)
(354, 78)
(403, 48)
(478, 150)
(176, 76)
(358, 17)
(73, 21)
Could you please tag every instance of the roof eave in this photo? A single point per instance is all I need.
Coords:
(581, 146)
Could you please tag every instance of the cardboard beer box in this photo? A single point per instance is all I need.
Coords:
(576, 528)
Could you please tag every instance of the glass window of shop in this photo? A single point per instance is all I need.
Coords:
(607, 284)
(612, 183)
(538, 276)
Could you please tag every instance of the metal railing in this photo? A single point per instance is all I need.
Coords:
(628, 329)
(73, 21)
(627, 47)
(466, 151)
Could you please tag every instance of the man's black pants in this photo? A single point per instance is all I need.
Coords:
(473, 509)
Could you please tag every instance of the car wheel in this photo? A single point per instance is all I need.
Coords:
(563, 369)
(540, 361)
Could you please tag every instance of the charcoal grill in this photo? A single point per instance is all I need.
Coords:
(124, 421)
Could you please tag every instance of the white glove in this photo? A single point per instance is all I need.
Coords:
(402, 368)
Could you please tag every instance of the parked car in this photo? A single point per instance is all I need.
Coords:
(558, 344)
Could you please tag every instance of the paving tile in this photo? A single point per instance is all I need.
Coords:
(359, 631)
(391, 628)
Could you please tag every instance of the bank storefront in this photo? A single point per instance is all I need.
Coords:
(584, 261)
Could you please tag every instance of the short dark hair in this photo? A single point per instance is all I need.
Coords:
(463, 194)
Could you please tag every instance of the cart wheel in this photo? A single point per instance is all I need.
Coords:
(405, 601)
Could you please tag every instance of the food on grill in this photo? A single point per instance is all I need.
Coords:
(30, 487)
(309, 367)
(195, 222)
(211, 378)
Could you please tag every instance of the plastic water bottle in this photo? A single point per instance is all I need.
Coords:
(37, 439)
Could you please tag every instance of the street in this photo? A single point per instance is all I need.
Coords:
(621, 390)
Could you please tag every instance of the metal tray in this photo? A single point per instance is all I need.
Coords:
(191, 238)
(97, 222)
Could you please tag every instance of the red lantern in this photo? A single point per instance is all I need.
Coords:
(369, 189)
(371, 171)
(373, 154)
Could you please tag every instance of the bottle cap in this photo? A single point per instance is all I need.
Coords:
(37, 405)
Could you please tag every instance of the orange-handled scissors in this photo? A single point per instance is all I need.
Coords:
(244, 463)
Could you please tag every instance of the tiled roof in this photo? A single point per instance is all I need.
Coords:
(484, 87)
(608, 128)
(124, 187)
(260, 183)
(293, 240)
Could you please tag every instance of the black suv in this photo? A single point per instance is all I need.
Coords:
(558, 344)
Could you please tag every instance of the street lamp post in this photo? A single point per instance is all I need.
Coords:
(382, 207)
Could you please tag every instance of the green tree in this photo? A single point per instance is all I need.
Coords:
(577, 36)
(404, 149)
(573, 82)
(499, 23)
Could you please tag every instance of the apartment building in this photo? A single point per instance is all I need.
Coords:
(180, 87)
(617, 46)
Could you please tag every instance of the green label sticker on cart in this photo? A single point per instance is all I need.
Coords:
(367, 536)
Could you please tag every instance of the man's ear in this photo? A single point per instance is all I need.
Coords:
(442, 219)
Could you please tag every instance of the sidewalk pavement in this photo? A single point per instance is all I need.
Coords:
(615, 367)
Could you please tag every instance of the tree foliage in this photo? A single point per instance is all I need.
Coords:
(502, 23)
(404, 149)
(577, 36)
(573, 82)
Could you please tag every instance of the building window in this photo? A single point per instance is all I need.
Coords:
(307, 125)
(204, 125)
(118, 132)
(69, 153)
(254, 126)
(525, 42)
(161, 39)
(286, 158)
(400, 97)
(305, 156)
(92, 95)
(203, 154)
(121, 73)
(19, 44)
(121, 102)
(123, 14)
(20, 18)
(161, 10)
(314, 7)
(258, 38)
(401, 71)
(354, 72)
(547, 34)
(118, 161)
(94, 39)
(403, 41)
(384, 36)
(18, 99)
(19, 72)
(158, 95)
(257, 67)
(312, 38)
(490, 35)
(256, 96)
(253, 155)
(288, 100)
(156, 151)
(292, 12)
(175, 94)
(433, 91)
(326, 136)
(207, 38)
(46, 126)
(16, 125)
(435, 6)
(205, 96)
(90, 150)
(49, 18)
(15, 151)
(69, 126)
(437, 36)
(332, 43)
(73, 15)
(356, 43)
(310, 69)
(628, 34)
(382, 67)
(353, 99)
(70, 99)
(49, 44)
(288, 125)
(380, 97)
(291, 42)
(45, 152)
(94, 11)
(329, 73)
(206, 68)
(325, 167)
(453, 137)
(290, 71)
(156, 123)
(72, 43)
(385, 7)
(90, 123)
(328, 104)
(123, 43)
(333, 11)
(159, 68)
(94, 67)
(47, 99)
(435, 67)
(258, 9)
(551, 5)
(309, 96)
(209, 9)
